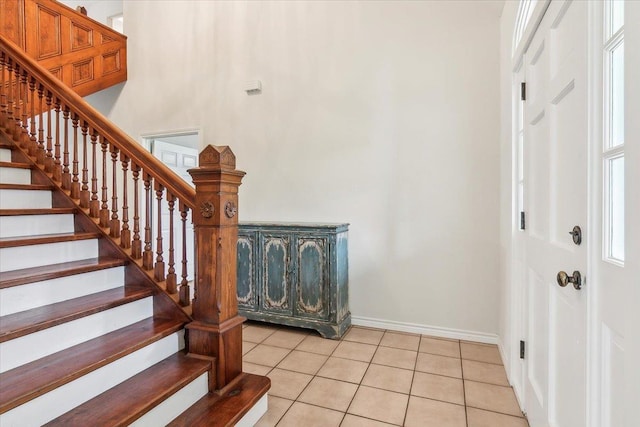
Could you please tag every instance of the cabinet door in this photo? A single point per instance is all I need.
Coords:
(276, 273)
(312, 284)
(247, 250)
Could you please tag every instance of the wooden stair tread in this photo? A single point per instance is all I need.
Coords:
(26, 322)
(7, 242)
(6, 144)
(43, 211)
(54, 271)
(33, 379)
(26, 187)
(15, 165)
(129, 400)
(215, 410)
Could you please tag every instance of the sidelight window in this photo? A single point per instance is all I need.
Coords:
(613, 147)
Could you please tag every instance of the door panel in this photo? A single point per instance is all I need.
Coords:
(555, 150)
(247, 295)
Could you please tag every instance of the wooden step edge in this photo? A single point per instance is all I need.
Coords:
(131, 399)
(11, 242)
(16, 165)
(29, 381)
(26, 187)
(29, 321)
(226, 409)
(42, 211)
(54, 271)
(7, 145)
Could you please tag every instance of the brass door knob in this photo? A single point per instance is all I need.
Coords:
(564, 279)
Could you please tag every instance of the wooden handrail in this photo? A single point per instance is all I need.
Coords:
(102, 125)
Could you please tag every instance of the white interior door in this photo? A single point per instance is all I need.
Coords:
(555, 199)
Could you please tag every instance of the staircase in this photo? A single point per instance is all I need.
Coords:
(97, 326)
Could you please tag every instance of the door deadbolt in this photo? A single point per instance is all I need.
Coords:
(564, 279)
(576, 234)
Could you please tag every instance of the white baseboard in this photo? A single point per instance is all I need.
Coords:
(436, 331)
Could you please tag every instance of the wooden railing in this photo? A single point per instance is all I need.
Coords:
(85, 54)
(138, 202)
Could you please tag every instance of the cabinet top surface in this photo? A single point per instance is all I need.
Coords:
(291, 225)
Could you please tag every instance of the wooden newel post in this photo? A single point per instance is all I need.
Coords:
(216, 331)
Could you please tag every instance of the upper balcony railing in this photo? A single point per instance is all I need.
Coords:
(86, 55)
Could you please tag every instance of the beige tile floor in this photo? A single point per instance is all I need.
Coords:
(375, 378)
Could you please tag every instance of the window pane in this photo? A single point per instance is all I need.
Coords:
(616, 208)
(617, 15)
(616, 120)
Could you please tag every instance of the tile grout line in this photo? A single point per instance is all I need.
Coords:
(464, 390)
(369, 363)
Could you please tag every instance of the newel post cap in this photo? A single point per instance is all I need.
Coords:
(217, 156)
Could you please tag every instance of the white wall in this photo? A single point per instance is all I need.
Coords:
(507, 339)
(381, 114)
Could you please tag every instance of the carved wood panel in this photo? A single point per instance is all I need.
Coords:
(49, 41)
(276, 274)
(12, 21)
(312, 283)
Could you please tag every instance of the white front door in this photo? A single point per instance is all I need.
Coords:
(555, 201)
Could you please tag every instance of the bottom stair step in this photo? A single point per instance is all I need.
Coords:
(226, 410)
(128, 401)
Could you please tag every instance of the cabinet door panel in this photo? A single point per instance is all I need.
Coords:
(312, 284)
(247, 295)
(276, 274)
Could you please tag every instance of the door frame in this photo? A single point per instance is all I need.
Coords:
(516, 367)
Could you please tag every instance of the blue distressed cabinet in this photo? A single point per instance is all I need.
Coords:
(295, 274)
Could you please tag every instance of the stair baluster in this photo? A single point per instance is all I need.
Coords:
(94, 204)
(125, 234)
(159, 266)
(172, 286)
(136, 244)
(104, 206)
(185, 298)
(57, 164)
(48, 161)
(66, 176)
(147, 255)
(84, 189)
(114, 223)
(3, 94)
(24, 101)
(16, 97)
(41, 154)
(75, 182)
(33, 144)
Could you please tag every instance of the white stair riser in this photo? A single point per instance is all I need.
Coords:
(251, 418)
(5, 155)
(38, 294)
(15, 176)
(25, 199)
(179, 402)
(29, 256)
(35, 225)
(62, 399)
(25, 349)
